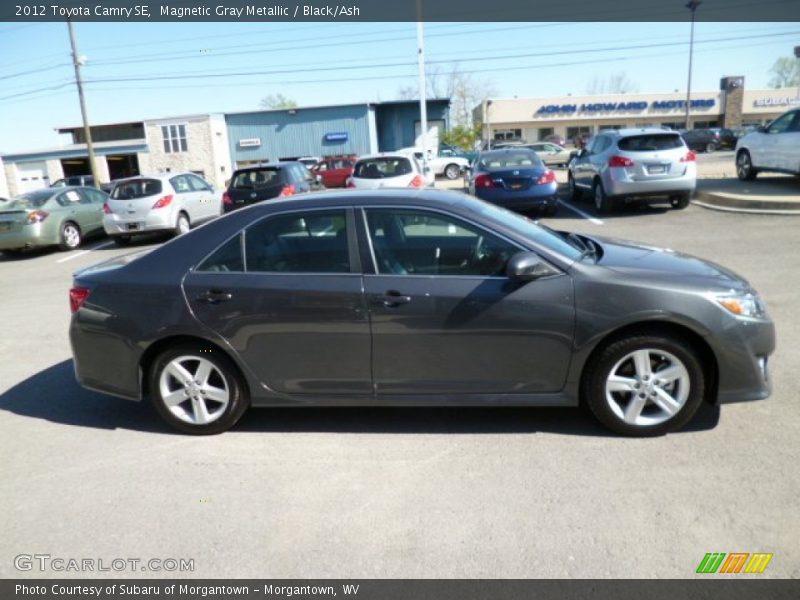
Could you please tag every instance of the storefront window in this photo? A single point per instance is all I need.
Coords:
(544, 132)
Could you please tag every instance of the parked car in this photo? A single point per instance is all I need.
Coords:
(630, 165)
(551, 154)
(173, 202)
(309, 161)
(515, 178)
(270, 180)
(81, 180)
(451, 167)
(62, 216)
(387, 170)
(415, 298)
(709, 140)
(449, 150)
(554, 138)
(334, 170)
(775, 148)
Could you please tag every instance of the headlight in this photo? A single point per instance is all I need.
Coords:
(742, 304)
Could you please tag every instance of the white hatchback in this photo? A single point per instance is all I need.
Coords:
(386, 171)
(775, 147)
(166, 202)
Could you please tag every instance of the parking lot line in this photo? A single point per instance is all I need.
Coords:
(71, 256)
(586, 216)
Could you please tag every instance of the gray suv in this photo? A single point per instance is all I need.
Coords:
(634, 164)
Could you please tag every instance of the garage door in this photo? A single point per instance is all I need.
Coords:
(31, 176)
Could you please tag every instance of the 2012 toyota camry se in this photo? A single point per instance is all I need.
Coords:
(415, 297)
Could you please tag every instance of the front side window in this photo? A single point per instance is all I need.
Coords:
(418, 242)
(174, 138)
(311, 242)
(782, 123)
(198, 184)
(95, 196)
(227, 259)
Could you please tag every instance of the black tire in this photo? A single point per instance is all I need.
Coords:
(602, 203)
(122, 240)
(551, 211)
(745, 170)
(574, 191)
(182, 224)
(227, 377)
(680, 202)
(603, 361)
(710, 147)
(452, 171)
(71, 237)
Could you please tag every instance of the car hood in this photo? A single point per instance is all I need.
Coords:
(642, 260)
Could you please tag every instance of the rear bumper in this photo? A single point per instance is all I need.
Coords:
(154, 221)
(617, 183)
(537, 197)
(743, 352)
(29, 236)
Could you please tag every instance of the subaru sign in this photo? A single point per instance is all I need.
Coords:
(338, 136)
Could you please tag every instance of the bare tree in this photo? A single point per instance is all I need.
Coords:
(785, 73)
(277, 101)
(616, 83)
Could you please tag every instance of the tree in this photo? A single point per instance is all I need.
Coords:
(785, 73)
(464, 90)
(277, 101)
(461, 136)
(616, 83)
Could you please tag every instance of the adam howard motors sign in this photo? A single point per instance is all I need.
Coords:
(596, 107)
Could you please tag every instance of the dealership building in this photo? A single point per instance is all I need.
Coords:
(214, 145)
(731, 106)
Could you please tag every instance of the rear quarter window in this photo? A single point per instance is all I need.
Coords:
(650, 142)
(138, 188)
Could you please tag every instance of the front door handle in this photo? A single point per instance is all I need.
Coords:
(392, 298)
(214, 296)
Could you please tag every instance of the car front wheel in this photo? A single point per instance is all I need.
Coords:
(644, 385)
(452, 171)
(197, 390)
(182, 225)
(744, 167)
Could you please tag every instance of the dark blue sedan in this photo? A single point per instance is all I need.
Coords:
(515, 178)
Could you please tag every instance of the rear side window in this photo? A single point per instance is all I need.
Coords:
(650, 142)
(380, 168)
(137, 188)
(227, 259)
(256, 179)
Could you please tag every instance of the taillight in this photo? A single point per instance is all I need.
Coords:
(226, 198)
(350, 183)
(690, 157)
(417, 182)
(287, 190)
(620, 161)
(77, 296)
(484, 181)
(163, 201)
(548, 177)
(37, 216)
(106, 208)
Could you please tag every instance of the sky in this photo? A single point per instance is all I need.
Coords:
(172, 69)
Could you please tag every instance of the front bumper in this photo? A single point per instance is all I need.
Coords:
(743, 350)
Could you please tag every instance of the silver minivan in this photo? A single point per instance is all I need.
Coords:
(166, 202)
(628, 165)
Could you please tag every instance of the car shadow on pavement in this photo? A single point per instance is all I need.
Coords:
(54, 395)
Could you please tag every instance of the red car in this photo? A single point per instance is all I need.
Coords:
(335, 170)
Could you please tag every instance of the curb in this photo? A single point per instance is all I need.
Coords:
(728, 203)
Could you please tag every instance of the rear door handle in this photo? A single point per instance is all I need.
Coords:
(215, 296)
(392, 298)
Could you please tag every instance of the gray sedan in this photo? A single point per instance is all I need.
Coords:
(415, 298)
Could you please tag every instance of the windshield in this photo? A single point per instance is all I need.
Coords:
(506, 160)
(380, 168)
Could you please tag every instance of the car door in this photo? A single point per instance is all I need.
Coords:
(293, 309)
(186, 198)
(208, 201)
(766, 152)
(445, 318)
(94, 200)
(78, 208)
(788, 146)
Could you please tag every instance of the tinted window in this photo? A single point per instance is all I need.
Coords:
(782, 123)
(415, 242)
(516, 158)
(226, 259)
(256, 179)
(650, 142)
(312, 242)
(136, 188)
(379, 168)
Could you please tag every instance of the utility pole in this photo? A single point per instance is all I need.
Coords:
(77, 62)
(692, 6)
(797, 56)
(488, 125)
(423, 96)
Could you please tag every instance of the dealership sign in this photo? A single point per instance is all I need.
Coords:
(250, 143)
(338, 136)
(761, 102)
(597, 107)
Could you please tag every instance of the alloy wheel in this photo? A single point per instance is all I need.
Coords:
(743, 165)
(72, 236)
(194, 390)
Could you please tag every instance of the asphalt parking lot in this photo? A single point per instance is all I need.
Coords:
(447, 493)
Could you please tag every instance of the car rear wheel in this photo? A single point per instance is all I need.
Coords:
(70, 236)
(452, 171)
(574, 192)
(182, 225)
(710, 147)
(645, 385)
(744, 167)
(601, 201)
(197, 390)
(679, 202)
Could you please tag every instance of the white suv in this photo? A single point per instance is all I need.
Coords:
(775, 147)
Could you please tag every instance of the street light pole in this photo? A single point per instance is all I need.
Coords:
(423, 96)
(488, 126)
(692, 6)
(77, 62)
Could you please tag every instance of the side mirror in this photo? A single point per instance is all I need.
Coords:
(527, 266)
(762, 129)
